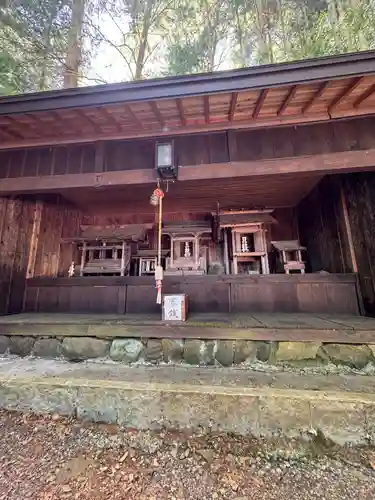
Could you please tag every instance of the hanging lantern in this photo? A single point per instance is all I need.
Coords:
(164, 160)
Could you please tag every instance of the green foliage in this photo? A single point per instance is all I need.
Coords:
(33, 41)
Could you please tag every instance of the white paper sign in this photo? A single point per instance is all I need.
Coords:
(173, 307)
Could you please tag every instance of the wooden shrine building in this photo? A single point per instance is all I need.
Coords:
(269, 180)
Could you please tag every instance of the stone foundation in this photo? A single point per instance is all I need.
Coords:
(190, 352)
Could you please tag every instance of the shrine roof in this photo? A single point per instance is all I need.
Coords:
(312, 90)
(245, 218)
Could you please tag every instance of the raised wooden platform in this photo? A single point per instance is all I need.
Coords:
(309, 293)
(260, 326)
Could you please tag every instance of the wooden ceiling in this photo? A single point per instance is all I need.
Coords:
(285, 94)
(272, 191)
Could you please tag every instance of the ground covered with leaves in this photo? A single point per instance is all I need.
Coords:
(53, 458)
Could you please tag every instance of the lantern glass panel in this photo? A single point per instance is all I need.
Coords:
(164, 155)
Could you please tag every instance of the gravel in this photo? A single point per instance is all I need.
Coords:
(55, 458)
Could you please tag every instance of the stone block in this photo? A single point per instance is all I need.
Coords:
(244, 350)
(140, 409)
(154, 351)
(199, 352)
(98, 404)
(341, 421)
(266, 351)
(216, 412)
(22, 346)
(80, 348)
(172, 350)
(369, 409)
(225, 352)
(47, 348)
(355, 356)
(4, 344)
(126, 350)
(40, 398)
(297, 351)
(283, 416)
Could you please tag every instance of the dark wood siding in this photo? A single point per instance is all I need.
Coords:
(320, 230)
(359, 190)
(281, 293)
(195, 149)
(16, 222)
(57, 222)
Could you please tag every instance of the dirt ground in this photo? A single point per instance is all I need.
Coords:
(50, 458)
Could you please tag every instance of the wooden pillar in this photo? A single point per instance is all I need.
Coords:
(348, 229)
(266, 267)
(83, 258)
(226, 251)
(196, 250)
(34, 239)
(234, 248)
(123, 259)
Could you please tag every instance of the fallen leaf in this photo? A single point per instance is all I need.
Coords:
(124, 457)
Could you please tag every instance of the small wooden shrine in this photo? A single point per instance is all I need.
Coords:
(247, 240)
(290, 255)
(105, 251)
(188, 255)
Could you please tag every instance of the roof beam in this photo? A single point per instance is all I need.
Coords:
(157, 113)
(42, 123)
(88, 120)
(10, 134)
(346, 161)
(345, 93)
(133, 133)
(288, 98)
(232, 106)
(319, 92)
(110, 118)
(259, 103)
(320, 164)
(206, 105)
(181, 112)
(134, 117)
(57, 118)
(364, 96)
(9, 121)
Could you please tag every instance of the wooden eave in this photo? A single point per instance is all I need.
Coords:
(271, 95)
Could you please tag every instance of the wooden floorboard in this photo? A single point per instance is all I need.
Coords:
(261, 326)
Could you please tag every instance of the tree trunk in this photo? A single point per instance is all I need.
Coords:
(74, 49)
(140, 60)
(284, 33)
(262, 38)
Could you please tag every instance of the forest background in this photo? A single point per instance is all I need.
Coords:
(49, 44)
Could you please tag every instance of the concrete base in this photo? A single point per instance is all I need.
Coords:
(211, 399)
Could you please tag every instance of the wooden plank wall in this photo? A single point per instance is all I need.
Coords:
(359, 193)
(269, 293)
(16, 224)
(30, 233)
(195, 149)
(58, 221)
(321, 229)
